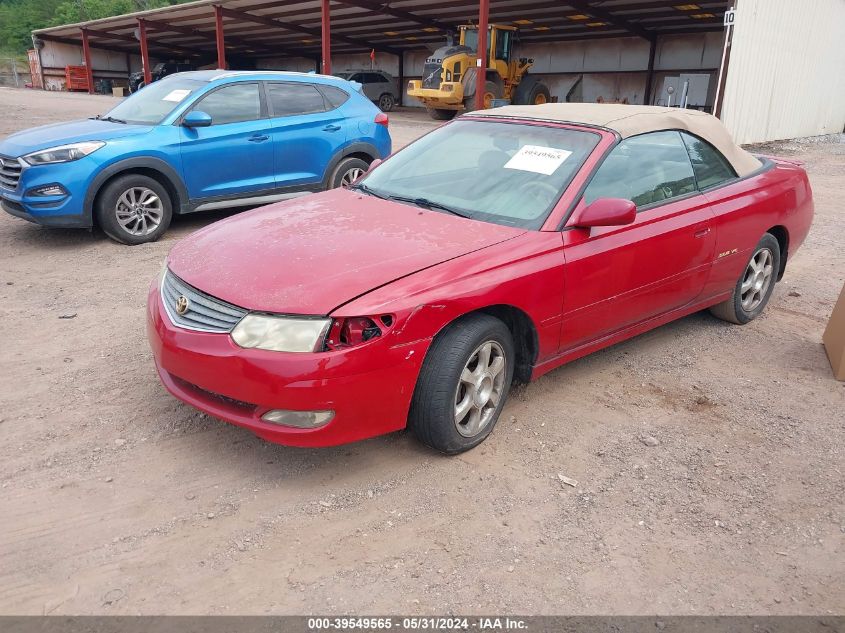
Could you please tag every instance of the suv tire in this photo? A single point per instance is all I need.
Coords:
(348, 170)
(134, 209)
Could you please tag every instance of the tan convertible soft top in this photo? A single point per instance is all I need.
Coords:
(630, 120)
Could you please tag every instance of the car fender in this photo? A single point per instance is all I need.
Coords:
(138, 162)
(356, 147)
(524, 273)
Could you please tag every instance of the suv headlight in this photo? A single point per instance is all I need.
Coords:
(63, 153)
(280, 333)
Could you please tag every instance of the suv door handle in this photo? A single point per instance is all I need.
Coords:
(331, 128)
(258, 138)
(702, 232)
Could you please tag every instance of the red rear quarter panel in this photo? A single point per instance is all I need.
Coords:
(777, 196)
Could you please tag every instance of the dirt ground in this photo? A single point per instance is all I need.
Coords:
(117, 499)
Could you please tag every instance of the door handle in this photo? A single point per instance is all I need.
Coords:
(702, 232)
(258, 138)
(331, 128)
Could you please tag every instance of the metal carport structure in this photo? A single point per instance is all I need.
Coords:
(210, 31)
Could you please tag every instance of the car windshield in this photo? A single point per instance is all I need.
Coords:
(499, 172)
(150, 105)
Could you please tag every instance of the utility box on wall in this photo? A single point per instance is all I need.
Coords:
(697, 88)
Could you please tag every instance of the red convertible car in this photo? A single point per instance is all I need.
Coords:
(493, 249)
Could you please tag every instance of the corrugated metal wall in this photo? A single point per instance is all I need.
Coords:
(786, 77)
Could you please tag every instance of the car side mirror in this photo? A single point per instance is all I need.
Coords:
(374, 164)
(196, 118)
(606, 212)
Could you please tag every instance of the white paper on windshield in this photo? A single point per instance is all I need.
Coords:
(176, 95)
(540, 160)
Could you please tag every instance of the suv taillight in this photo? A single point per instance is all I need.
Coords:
(381, 119)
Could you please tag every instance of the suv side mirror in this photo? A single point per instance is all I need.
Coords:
(196, 118)
(374, 164)
(606, 212)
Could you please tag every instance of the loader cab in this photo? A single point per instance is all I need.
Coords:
(500, 43)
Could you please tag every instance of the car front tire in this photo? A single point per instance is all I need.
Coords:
(754, 286)
(463, 384)
(134, 209)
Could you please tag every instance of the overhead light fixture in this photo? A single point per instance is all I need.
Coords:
(542, 28)
(431, 29)
(411, 37)
(307, 41)
(523, 22)
(595, 24)
(702, 16)
(391, 33)
(578, 16)
(687, 7)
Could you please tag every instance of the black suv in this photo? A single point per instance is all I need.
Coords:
(136, 79)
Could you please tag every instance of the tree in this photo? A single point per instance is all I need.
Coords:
(18, 18)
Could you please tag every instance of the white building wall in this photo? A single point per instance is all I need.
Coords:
(786, 76)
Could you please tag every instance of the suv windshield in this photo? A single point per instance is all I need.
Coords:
(504, 173)
(150, 105)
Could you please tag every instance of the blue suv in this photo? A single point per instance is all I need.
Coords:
(188, 142)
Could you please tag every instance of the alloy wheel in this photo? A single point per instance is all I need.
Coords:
(139, 211)
(756, 280)
(351, 176)
(480, 389)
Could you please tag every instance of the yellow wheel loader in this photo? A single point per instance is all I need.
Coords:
(450, 76)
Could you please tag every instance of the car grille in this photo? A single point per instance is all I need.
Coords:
(200, 311)
(10, 173)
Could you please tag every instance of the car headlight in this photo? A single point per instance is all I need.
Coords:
(63, 153)
(280, 333)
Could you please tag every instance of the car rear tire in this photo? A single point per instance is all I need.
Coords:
(386, 102)
(348, 170)
(439, 114)
(463, 384)
(134, 209)
(755, 284)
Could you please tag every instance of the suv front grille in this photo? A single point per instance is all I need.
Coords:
(192, 309)
(10, 173)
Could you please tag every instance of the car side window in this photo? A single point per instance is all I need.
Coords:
(711, 168)
(291, 99)
(335, 97)
(375, 78)
(646, 169)
(234, 103)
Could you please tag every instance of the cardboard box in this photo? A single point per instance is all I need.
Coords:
(834, 338)
(118, 92)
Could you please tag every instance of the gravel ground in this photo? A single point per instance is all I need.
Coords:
(708, 460)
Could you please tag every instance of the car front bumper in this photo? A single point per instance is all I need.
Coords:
(369, 388)
(64, 210)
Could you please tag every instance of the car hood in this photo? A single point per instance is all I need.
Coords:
(46, 136)
(312, 254)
